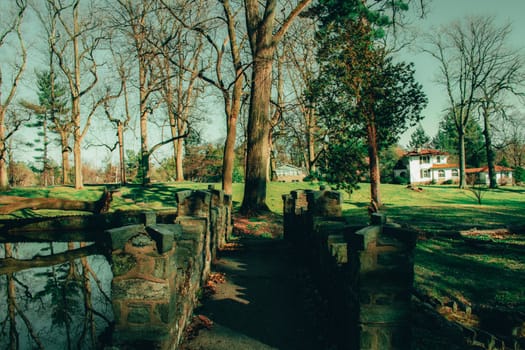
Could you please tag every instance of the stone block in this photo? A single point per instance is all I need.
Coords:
(377, 219)
(122, 263)
(366, 237)
(139, 289)
(338, 249)
(164, 235)
(398, 313)
(139, 313)
(149, 218)
(120, 235)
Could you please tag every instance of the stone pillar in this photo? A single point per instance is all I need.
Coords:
(295, 211)
(228, 219)
(325, 203)
(197, 204)
(217, 219)
(385, 278)
(143, 263)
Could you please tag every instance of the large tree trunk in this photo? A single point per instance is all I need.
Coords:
(254, 199)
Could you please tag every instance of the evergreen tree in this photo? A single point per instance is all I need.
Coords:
(52, 101)
(419, 138)
(365, 100)
(447, 140)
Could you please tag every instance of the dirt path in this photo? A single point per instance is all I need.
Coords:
(263, 303)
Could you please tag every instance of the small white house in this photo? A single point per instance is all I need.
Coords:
(426, 166)
(288, 172)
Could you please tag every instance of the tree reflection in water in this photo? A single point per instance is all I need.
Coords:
(64, 305)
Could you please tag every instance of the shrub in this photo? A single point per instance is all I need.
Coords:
(448, 182)
(400, 180)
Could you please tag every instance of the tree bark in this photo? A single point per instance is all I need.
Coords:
(373, 156)
(254, 199)
(12, 265)
(462, 157)
(491, 157)
(13, 204)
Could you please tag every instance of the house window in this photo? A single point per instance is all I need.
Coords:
(424, 159)
(425, 173)
(438, 159)
(455, 172)
(441, 173)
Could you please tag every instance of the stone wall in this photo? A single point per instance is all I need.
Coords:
(365, 275)
(159, 269)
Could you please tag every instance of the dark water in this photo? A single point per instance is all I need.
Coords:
(60, 304)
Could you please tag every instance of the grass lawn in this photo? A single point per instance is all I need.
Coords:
(447, 267)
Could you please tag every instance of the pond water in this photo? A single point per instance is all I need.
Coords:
(52, 296)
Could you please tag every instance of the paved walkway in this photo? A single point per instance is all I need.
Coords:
(265, 302)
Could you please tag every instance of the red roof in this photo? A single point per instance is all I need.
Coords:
(425, 152)
(485, 169)
(445, 166)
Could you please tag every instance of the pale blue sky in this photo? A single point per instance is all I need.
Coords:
(442, 12)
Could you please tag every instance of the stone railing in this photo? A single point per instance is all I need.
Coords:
(159, 268)
(365, 275)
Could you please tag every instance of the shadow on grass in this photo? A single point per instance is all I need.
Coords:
(160, 193)
(452, 268)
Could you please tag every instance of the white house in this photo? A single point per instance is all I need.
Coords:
(425, 166)
(288, 172)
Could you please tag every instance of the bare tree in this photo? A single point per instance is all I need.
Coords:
(10, 30)
(178, 63)
(505, 76)
(264, 34)
(75, 50)
(230, 85)
(475, 69)
(300, 48)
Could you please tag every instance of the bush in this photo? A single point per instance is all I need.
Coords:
(448, 182)
(400, 180)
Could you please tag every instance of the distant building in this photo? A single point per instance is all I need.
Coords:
(425, 166)
(288, 173)
(504, 175)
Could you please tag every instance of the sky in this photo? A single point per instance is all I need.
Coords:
(443, 12)
(440, 12)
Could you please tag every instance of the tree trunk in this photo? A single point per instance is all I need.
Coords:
(228, 160)
(144, 151)
(254, 199)
(65, 158)
(120, 134)
(462, 172)
(310, 137)
(178, 160)
(373, 155)
(491, 157)
(13, 204)
(4, 180)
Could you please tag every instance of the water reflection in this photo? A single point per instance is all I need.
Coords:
(53, 296)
